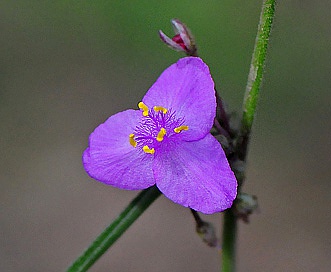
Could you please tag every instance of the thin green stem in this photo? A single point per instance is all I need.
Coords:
(249, 107)
(255, 74)
(115, 229)
(229, 241)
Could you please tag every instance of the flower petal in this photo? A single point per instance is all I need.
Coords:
(111, 159)
(187, 88)
(196, 175)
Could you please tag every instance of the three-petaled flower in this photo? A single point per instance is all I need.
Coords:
(167, 142)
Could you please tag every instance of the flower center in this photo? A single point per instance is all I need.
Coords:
(157, 125)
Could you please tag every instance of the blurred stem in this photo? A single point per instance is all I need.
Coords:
(229, 241)
(115, 229)
(249, 108)
(198, 221)
(255, 75)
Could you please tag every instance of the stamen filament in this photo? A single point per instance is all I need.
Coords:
(148, 150)
(179, 129)
(132, 140)
(161, 134)
(159, 108)
(143, 107)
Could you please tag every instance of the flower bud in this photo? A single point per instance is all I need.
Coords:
(207, 233)
(183, 39)
(245, 205)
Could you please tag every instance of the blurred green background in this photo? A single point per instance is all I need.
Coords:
(66, 66)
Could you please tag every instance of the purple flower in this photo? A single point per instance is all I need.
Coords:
(167, 142)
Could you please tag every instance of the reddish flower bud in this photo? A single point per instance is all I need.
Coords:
(183, 39)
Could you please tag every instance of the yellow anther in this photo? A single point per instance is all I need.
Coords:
(148, 150)
(159, 108)
(161, 134)
(179, 129)
(142, 106)
(132, 141)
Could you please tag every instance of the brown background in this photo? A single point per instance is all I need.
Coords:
(65, 66)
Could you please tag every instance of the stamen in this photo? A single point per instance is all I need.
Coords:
(179, 129)
(132, 140)
(159, 108)
(148, 150)
(143, 107)
(161, 134)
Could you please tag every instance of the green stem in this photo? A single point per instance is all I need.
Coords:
(249, 107)
(115, 230)
(229, 241)
(255, 74)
